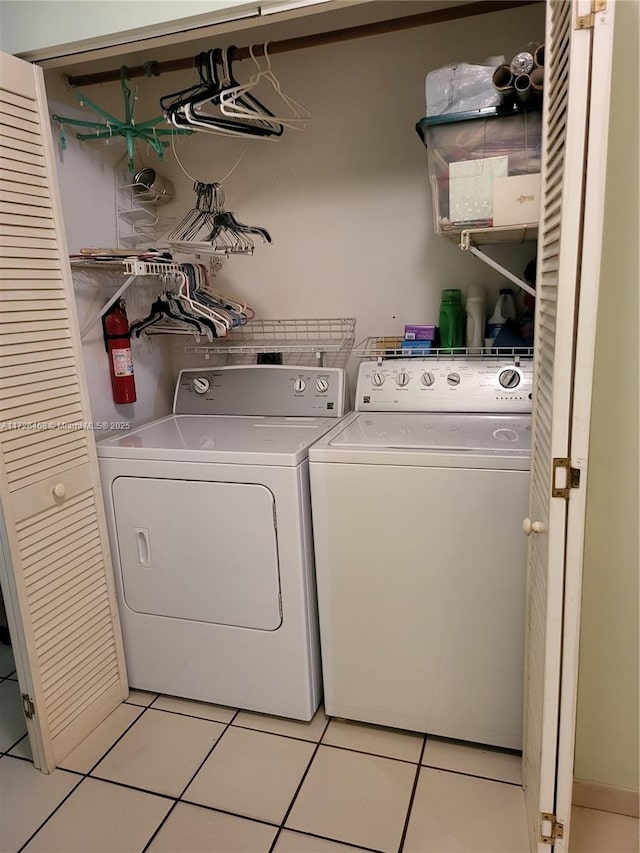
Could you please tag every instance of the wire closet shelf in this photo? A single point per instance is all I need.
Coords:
(326, 342)
(380, 348)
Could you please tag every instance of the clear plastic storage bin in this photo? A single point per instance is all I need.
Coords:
(467, 152)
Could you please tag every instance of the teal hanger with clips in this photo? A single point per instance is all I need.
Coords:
(147, 131)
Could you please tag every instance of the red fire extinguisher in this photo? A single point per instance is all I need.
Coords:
(118, 343)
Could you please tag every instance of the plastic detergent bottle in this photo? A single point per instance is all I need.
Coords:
(505, 310)
(509, 303)
(451, 320)
(476, 317)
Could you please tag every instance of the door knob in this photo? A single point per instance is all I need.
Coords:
(530, 527)
(59, 490)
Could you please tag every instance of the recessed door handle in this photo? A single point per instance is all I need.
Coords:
(144, 548)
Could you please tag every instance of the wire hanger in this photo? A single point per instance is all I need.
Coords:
(112, 126)
(233, 100)
(209, 226)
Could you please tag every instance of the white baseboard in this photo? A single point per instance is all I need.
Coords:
(605, 798)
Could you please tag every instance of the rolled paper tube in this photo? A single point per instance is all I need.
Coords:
(522, 63)
(523, 87)
(503, 80)
(537, 79)
(538, 56)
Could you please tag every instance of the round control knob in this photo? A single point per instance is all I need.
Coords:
(402, 379)
(201, 385)
(530, 527)
(453, 379)
(299, 385)
(509, 378)
(427, 379)
(322, 385)
(59, 490)
(377, 379)
(505, 434)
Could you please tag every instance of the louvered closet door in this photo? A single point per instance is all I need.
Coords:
(565, 332)
(57, 565)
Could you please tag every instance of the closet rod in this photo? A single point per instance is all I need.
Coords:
(333, 37)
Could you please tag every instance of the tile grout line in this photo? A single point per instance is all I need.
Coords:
(83, 777)
(276, 734)
(131, 787)
(192, 716)
(145, 708)
(299, 786)
(186, 787)
(218, 810)
(227, 725)
(333, 840)
(372, 754)
(13, 746)
(473, 775)
(51, 814)
(405, 828)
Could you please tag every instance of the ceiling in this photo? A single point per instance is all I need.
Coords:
(335, 15)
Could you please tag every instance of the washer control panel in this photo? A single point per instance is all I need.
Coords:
(441, 385)
(269, 390)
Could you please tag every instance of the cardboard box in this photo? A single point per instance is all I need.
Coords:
(416, 347)
(419, 333)
(516, 200)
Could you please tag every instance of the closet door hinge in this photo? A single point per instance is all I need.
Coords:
(586, 22)
(563, 483)
(551, 830)
(28, 706)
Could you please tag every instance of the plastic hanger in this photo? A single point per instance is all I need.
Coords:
(220, 321)
(161, 309)
(187, 110)
(255, 114)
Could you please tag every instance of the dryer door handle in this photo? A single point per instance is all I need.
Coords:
(143, 547)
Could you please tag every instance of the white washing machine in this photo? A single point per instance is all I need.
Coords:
(209, 520)
(418, 499)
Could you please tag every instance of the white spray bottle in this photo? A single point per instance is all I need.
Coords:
(476, 316)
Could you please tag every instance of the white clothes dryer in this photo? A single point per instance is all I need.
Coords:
(209, 520)
(418, 499)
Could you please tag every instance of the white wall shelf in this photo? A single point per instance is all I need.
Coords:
(317, 338)
(380, 348)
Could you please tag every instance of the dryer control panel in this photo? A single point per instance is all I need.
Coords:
(445, 385)
(262, 390)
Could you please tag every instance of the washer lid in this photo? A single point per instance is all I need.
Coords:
(434, 438)
(236, 440)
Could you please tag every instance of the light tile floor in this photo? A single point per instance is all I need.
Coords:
(173, 776)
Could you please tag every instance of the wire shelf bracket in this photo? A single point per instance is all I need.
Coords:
(469, 243)
(132, 268)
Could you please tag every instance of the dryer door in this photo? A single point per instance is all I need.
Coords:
(198, 550)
